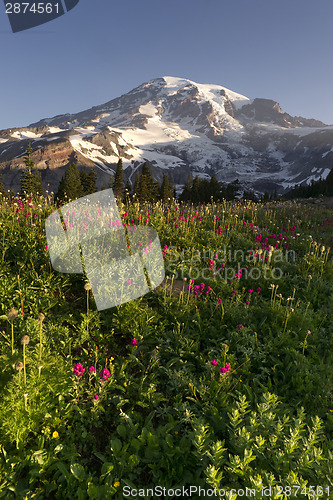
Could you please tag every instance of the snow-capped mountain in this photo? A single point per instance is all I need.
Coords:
(179, 127)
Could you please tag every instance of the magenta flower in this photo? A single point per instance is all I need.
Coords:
(105, 374)
(250, 290)
(96, 396)
(225, 369)
(129, 282)
(234, 292)
(78, 370)
(219, 301)
(91, 368)
(213, 362)
(134, 342)
(239, 326)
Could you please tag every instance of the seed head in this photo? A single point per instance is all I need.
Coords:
(12, 314)
(87, 286)
(19, 366)
(25, 340)
(41, 317)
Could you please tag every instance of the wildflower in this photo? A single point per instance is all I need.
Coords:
(105, 374)
(239, 326)
(47, 247)
(55, 435)
(213, 362)
(92, 368)
(78, 370)
(116, 484)
(25, 340)
(96, 396)
(19, 366)
(41, 317)
(87, 286)
(228, 366)
(219, 301)
(134, 342)
(250, 290)
(247, 303)
(234, 292)
(223, 370)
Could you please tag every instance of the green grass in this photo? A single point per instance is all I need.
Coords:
(164, 415)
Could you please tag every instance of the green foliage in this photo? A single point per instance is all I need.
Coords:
(229, 393)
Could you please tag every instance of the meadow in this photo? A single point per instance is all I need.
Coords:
(219, 380)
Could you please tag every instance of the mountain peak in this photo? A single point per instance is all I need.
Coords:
(180, 127)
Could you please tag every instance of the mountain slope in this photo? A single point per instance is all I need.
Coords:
(179, 127)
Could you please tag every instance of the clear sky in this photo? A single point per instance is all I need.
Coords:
(276, 49)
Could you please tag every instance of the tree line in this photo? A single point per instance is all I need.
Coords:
(75, 184)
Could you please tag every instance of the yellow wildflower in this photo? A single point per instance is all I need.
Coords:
(55, 435)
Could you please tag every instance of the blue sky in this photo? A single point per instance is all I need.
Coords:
(277, 49)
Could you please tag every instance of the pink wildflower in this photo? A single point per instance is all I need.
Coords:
(78, 370)
(105, 374)
(92, 368)
(134, 342)
(213, 362)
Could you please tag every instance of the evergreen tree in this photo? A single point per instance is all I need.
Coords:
(148, 187)
(88, 181)
(136, 187)
(195, 191)
(111, 182)
(70, 185)
(187, 191)
(166, 190)
(2, 187)
(214, 188)
(84, 180)
(31, 183)
(118, 185)
(91, 182)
